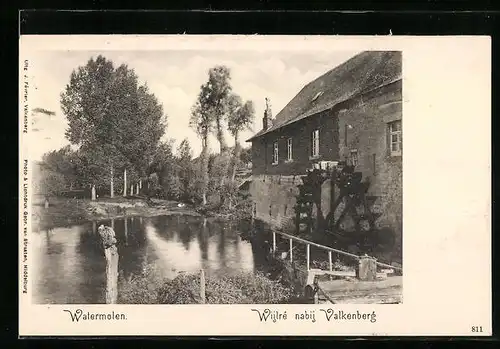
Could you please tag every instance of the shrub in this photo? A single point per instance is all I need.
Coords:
(244, 288)
(229, 289)
(140, 289)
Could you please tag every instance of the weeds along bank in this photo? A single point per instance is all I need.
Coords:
(242, 288)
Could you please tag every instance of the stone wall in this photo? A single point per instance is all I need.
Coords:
(368, 132)
(274, 198)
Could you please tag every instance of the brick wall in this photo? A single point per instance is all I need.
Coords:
(274, 197)
(369, 135)
(301, 134)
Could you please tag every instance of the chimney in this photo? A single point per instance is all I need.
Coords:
(267, 120)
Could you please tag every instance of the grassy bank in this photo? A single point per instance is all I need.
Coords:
(242, 288)
(68, 211)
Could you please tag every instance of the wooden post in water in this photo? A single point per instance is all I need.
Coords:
(330, 260)
(274, 242)
(46, 203)
(308, 250)
(291, 246)
(108, 239)
(202, 286)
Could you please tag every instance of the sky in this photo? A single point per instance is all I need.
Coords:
(175, 77)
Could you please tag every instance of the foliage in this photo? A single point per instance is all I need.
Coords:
(115, 123)
(52, 183)
(140, 289)
(246, 155)
(242, 288)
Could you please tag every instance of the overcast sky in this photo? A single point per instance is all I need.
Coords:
(175, 77)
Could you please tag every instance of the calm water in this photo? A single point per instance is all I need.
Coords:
(69, 264)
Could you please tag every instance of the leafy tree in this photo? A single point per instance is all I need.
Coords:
(240, 119)
(216, 97)
(246, 155)
(115, 123)
(201, 123)
(186, 170)
(63, 162)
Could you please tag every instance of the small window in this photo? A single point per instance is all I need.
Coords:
(395, 138)
(289, 155)
(315, 143)
(354, 157)
(275, 152)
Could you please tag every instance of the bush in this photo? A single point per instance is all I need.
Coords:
(244, 288)
(237, 289)
(140, 289)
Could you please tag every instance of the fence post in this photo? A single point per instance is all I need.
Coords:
(291, 246)
(308, 255)
(274, 242)
(202, 286)
(330, 260)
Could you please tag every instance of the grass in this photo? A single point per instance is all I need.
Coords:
(242, 288)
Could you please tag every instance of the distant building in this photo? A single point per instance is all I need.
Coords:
(352, 113)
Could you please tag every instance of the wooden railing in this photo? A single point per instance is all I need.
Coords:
(326, 248)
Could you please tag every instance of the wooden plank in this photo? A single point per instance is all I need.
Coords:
(389, 290)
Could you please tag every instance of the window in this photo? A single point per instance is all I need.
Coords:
(289, 155)
(275, 152)
(395, 140)
(315, 143)
(354, 157)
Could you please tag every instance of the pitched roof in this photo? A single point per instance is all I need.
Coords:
(360, 74)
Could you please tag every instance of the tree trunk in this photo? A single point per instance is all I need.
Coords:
(220, 135)
(112, 183)
(137, 189)
(93, 193)
(124, 182)
(237, 150)
(204, 168)
(131, 190)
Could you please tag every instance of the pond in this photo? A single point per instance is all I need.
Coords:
(69, 265)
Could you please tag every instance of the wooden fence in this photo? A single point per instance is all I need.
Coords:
(330, 251)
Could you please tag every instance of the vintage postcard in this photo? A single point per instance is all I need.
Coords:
(254, 185)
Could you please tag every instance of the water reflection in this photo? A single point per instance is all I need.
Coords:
(70, 267)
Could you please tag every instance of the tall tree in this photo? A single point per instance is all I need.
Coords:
(186, 173)
(216, 94)
(239, 120)
(112, 119)
(201, 123)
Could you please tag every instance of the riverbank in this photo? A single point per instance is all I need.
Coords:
(66, 211)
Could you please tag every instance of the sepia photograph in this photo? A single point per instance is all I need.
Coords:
(223, 177)
(169, 182)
